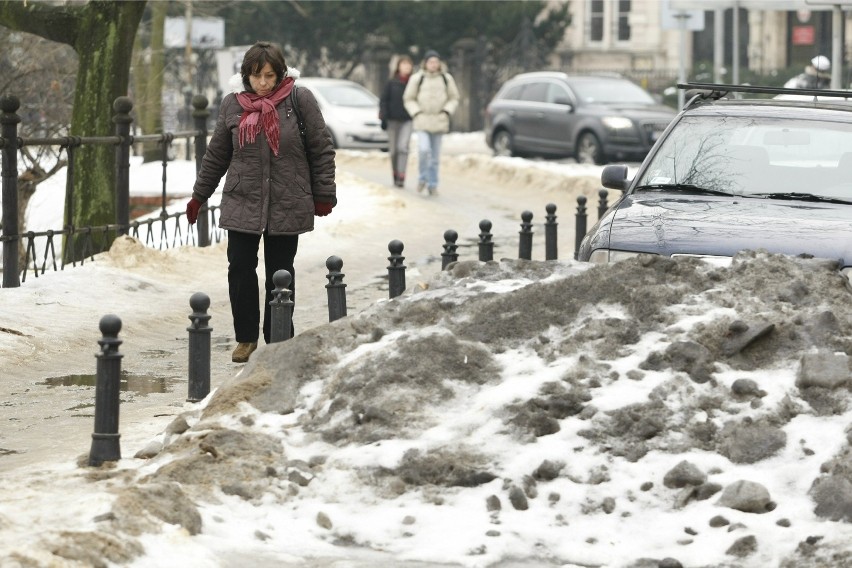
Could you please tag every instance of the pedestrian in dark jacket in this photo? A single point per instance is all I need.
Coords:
(396, 120)
(275, 183)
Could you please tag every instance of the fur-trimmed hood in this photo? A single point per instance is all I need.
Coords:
(236, 80)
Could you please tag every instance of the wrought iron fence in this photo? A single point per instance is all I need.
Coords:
(78, 244)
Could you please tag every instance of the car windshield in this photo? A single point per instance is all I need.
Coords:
(611, 91)
(347, 95)
(755, 156)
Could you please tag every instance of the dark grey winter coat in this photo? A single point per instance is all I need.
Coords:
(263, 191)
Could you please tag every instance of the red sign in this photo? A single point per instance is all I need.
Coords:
(803, 35)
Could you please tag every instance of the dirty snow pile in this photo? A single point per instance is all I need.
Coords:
(653, 412)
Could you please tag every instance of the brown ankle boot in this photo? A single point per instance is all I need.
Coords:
(242, 352)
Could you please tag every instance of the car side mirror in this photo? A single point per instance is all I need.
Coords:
(615, 177)
(564, 101)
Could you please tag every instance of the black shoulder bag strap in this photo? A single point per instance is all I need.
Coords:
(303, 131)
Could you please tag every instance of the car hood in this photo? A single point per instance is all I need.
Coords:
(666, 224)
(355, 115)
(636, 111)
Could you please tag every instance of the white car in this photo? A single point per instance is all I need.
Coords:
(351, 112)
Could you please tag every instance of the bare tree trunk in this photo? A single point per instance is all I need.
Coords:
(151, 120)
(102, 34)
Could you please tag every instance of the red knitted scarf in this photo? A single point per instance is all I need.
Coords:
(260, 112)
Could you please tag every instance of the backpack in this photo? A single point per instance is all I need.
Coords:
(423, 76)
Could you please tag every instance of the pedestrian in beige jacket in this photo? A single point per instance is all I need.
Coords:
(276, 181)
(431, 97)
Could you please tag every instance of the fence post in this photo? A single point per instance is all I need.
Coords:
(580, 229)
(550, 232)
(486, 245)
(9, 120)
(122, 119)
(199, 347)
(200, 114)
(396, 269)
(105, 444)
(525, 241)
(602, 205)
(281, 307)
(450, 253)
(336, 289)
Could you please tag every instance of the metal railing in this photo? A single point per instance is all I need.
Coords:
(83, 243)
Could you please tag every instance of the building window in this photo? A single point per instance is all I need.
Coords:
(596, 20)
(623, 20)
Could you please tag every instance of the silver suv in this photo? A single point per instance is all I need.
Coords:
(594, 118)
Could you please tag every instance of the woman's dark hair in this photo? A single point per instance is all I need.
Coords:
(399, 62)
(258, 56)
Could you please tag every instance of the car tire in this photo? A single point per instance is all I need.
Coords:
(588, 149)
(503, 143)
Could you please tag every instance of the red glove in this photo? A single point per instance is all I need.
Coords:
(192, 209)
(322, 209)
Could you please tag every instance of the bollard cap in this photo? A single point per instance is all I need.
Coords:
(110, 325)
(334, 263)
(199, 302)
(451, 236)
(282, 279)
(485, 225)
(395, 247)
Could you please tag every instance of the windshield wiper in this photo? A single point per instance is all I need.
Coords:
(797, 196)
(683, 188)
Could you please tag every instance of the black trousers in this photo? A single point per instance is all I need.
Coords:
(278, 252)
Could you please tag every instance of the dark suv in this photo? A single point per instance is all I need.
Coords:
(731, 174)
(594, 118)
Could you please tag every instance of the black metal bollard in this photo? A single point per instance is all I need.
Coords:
(105, 444)
(199, 115)
(525, 241)
(602, 204)
(396, 269)
(199, 348)
(580, 229)
(336, 289)
(486, 245)
(281, 308)
(122, 119)
(9, 120)
(450, 253)
(550, 226)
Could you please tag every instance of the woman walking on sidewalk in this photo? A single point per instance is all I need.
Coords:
(395, 118)
(276, 181)
(431, 98)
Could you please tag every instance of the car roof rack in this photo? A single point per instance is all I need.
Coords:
(715, 91)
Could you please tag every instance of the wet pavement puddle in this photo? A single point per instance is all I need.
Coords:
(138, 384)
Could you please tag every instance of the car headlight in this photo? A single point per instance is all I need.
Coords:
(603, 256)
(617, 122)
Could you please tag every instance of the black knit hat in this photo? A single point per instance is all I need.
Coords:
(431, 53)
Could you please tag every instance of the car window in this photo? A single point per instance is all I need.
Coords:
(749, 155)
(347, 95)
(513, 92)
(557, 93)
(536, 92)
(610, 91)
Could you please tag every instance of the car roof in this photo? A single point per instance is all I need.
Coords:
(567, 76)
(328, 81)
(773, 108)
(702, 96)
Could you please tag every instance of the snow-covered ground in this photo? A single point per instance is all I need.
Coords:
(648, 413)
